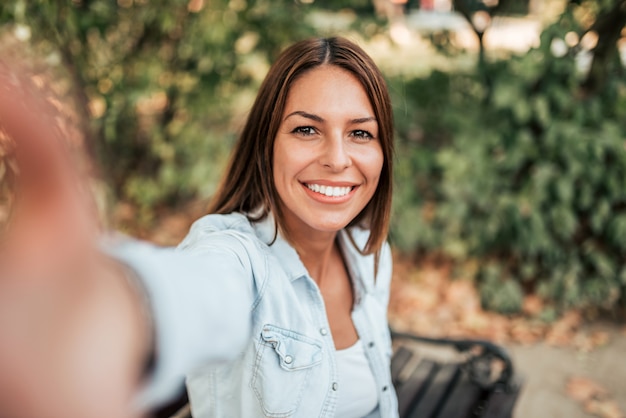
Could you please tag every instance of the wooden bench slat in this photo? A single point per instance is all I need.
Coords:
(500, 403)
(411, 391)
(436, 393)
(462, 400)
(399, 361)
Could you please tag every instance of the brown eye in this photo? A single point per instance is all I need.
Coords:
(362, 134)
(304, 130)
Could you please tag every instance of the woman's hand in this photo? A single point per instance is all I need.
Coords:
(71, 347)
(73, 339)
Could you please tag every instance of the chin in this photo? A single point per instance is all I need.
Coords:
(330, 226)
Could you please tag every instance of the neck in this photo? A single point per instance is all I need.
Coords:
(317, 258)
(317, 250)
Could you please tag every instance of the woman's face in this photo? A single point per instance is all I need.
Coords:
(327, 154)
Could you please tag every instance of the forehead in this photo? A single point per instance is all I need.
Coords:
(328, 88)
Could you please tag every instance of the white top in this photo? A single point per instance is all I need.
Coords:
(358, 395)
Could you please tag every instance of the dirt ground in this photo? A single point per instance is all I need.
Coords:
(572, 367)
(548, 371)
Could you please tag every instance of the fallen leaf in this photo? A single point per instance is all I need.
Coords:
(406, 299)
(462, 296)
(606, 408)
(600, 338)
(559, 337)
(475, 321)
(588, 342)
(583, 389)
(572, 318)
(524, 332)
(563, 330)
(532, 305)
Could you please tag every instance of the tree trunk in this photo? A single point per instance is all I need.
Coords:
(608, 26)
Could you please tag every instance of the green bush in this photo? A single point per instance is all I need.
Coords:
(520, 163)
(524, 172)
(162, 81)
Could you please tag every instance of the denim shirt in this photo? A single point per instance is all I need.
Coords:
(288, 367)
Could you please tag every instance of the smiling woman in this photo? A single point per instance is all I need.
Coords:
(309, 183)
(248, 188)
(327, 156)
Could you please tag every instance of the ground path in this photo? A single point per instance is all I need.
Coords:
(573, 367)
(555, 374)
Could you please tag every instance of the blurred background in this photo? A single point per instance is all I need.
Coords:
(510, 197)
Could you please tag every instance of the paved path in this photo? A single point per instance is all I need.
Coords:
(547, 370)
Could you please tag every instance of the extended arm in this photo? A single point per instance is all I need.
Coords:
(199, 305)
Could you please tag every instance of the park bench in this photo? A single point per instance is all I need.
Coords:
(474, 379)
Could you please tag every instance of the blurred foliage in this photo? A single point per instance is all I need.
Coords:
(525, 171)
(163, 80)
(362, 7)
(518, 165)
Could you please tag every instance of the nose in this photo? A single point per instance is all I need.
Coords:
(335, 154)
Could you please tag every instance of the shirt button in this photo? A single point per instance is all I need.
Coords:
(384, 388)
(323, 331)
(335, 386)
(288, 359)
(371, 344)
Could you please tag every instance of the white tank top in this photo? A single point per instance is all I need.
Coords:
(357, 395)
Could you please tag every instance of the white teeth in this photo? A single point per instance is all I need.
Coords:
(329, 190)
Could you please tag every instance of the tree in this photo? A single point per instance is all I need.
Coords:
(161, 81)
(529, 180)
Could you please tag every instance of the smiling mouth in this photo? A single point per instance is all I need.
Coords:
(329, 191)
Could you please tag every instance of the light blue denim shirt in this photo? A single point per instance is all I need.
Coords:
(288, 366)
(198, 315)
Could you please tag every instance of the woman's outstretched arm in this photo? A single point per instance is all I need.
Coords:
(91, 329)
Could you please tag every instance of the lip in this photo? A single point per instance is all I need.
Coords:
(330, 183)
(329, 199)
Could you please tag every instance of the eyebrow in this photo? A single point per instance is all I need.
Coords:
(319, 119)
(305, 115)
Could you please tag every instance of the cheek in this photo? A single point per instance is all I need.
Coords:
(289, 161)
(373, 164)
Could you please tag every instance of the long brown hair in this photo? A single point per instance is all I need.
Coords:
(248, 184)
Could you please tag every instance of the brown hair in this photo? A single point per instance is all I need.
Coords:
(248, 184)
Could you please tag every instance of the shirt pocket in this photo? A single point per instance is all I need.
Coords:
(282, 369)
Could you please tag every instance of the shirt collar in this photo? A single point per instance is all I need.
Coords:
(279, 247)
(356, 263)
(360, 267)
